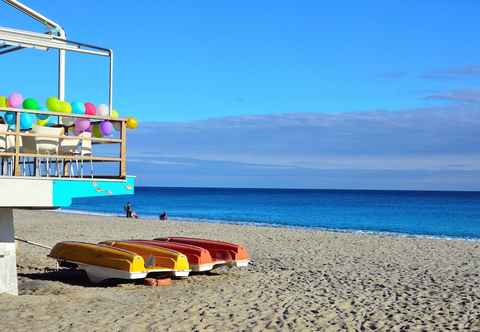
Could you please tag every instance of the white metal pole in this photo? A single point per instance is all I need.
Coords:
(110, 89)
(61, 74)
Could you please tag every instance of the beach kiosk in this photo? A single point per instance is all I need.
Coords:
(46, 166)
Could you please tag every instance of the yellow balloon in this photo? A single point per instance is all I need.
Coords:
(3, 101)
(114, 114)
(53, 104)
(42, 122)
(132, 123)
(65, 107)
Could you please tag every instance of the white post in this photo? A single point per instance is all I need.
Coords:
(8, 261)
(61, 74)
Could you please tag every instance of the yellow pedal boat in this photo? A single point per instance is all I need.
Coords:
(100, 262)
(156, 259)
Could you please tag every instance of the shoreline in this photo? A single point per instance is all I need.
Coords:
(276, 225)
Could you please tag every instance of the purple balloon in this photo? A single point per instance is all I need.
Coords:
(106, 128)
(81, 125)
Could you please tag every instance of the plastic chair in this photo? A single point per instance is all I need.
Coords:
(48, 146)
(81, 146)
(7, 144)
(3, 146)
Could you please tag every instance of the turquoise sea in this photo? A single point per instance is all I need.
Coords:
(428, 213)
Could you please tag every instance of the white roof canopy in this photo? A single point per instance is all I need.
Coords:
(12, 39)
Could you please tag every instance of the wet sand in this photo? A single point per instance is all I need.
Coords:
(299, 280)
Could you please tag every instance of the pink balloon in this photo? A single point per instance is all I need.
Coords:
(90, 109)
(81, 125)
(15, 100)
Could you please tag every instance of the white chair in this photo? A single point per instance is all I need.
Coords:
(7, 144)
(79, 146)
(46, 145)
(3, 146)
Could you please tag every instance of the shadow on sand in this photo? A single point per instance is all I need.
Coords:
(79, 278)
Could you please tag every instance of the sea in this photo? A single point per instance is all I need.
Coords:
(446, 214)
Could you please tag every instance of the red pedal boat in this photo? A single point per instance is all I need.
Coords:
(199, 258)
(222, 252)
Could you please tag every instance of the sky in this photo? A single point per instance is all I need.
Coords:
(371, 94)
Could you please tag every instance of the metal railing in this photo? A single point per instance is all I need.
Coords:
(65, 159)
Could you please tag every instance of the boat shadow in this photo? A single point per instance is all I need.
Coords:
(75, 277)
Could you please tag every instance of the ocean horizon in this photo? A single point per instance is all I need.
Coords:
(445, 214)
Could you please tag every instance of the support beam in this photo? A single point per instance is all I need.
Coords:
(8, 261)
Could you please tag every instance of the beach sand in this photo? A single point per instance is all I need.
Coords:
(299, 280)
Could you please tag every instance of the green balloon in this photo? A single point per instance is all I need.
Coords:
(96, 131)
(31, 104)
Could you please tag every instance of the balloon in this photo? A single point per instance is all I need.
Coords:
(26, 120)
(115, 115)
(53, 104)
(96, 131)
(42, 122)
(10, 118)
(81, 125)
(42, 116)
(15, 100)
(90, 109)
(102, 110)
(52, 121)
(65, 107)
(31, 104)
(67, 121)
(78, 107)
(106, 128)
(3, 101)
(132, 123)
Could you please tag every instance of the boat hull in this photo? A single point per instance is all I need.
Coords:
(157, 259)
(222, 253)
(100, 262)
(199, 258)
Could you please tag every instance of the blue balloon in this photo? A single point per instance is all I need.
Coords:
(78, 107)
(52, 121)
(10, 118)
(26, 121)
(42, 116)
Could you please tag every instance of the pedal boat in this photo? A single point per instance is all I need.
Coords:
(100, 262)
(222, 252)
(157, 259)
(199, 258)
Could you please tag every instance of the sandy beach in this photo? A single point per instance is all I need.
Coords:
(299, 280)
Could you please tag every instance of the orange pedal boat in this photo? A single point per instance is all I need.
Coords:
(199, 258)
(222, 252)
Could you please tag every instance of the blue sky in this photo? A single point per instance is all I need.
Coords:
(313, 73)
